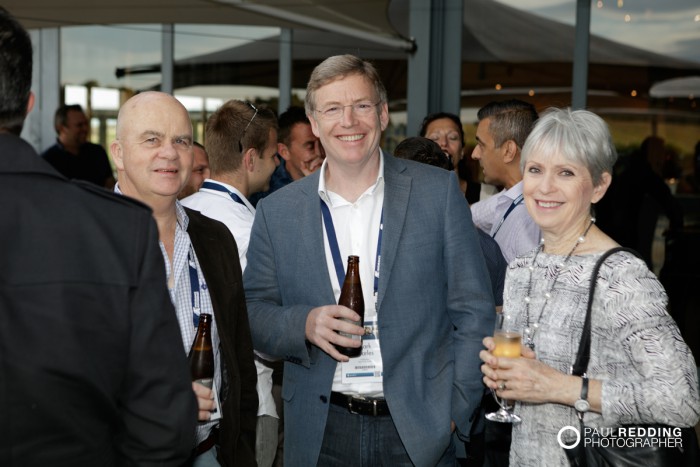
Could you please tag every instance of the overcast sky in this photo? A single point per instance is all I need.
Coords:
(670, 27)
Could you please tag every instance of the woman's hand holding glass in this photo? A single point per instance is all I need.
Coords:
(506, 343)
(520, 376)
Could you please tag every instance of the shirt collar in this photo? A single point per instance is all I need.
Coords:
(514, 191)
(232, 189)
(378, 184)
(182, 219)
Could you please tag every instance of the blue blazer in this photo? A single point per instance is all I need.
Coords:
(434, 308)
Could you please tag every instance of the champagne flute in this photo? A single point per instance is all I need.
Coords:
(508, 340)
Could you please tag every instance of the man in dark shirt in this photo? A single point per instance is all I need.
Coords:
(73, 155)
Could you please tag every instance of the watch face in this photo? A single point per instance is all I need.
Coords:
(582, 405)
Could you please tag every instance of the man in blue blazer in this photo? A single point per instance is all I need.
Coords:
(425, 314)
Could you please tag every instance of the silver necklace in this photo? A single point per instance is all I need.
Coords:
(531, 328)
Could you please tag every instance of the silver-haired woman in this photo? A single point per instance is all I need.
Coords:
(640, 370)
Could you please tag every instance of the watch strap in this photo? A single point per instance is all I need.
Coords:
(582, 405)
(584, 388)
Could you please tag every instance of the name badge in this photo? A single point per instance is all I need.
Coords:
(367, 368)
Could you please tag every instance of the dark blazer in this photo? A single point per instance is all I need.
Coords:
(434, 305)
(91, 364)
(218, 255)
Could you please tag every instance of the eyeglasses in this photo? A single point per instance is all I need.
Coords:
(334, 112)
(240, 143)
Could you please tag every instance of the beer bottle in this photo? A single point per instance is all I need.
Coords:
(351, 297)
(201, 355)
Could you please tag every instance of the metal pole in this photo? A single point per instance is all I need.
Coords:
(168, 51)
(581, 47)
(285, 70)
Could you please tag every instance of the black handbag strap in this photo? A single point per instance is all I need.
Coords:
(584, 347)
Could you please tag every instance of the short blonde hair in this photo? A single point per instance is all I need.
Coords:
(340, 66)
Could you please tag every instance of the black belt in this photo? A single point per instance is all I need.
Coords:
(361, 406)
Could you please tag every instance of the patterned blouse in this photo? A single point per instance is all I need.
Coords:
(648, 372)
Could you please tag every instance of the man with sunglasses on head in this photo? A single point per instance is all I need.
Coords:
(154, 156)
(428, 302)
(242, 147)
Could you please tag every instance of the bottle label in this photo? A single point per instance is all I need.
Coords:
(367, 368)
(208, 382)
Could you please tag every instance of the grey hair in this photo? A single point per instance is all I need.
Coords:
(512, 119)
(580, 136)
(337, 67)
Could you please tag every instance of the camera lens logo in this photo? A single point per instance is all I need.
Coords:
(564, 430)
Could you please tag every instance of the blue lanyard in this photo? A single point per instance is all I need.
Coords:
(335, 250)
(512, 206)
(194, 285)
(217, 187)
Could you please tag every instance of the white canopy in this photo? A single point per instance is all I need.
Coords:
(688, 87)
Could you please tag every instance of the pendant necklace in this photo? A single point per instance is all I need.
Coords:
(531, 329)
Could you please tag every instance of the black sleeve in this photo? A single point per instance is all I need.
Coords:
(158, 406)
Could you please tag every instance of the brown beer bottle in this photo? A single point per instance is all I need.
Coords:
(201, 356)
(351, 297)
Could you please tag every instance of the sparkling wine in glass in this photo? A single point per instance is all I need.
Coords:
(508, 340)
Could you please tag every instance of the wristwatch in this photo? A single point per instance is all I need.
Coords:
(582, 406)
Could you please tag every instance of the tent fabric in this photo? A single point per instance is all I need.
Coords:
(688, 87)
(503, 45)
(368, 15)
(511, 35)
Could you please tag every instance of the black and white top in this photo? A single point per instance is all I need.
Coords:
(648, 372)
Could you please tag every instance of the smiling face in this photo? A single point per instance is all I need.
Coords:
(558, 194)
(446, 133)
(304, 155)
(153, 153)
(350, 139)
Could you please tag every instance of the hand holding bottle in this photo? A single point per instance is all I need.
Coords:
(323, 324)
(338, 329)
(205, 401)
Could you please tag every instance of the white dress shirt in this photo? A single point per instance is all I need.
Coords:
(357, 230)
(239, 220)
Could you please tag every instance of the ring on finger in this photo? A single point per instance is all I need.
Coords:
(502, 386)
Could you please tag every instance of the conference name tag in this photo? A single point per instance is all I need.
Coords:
(367, 368)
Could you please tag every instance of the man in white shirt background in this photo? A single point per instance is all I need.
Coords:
(242, 149)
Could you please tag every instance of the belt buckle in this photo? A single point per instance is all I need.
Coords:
(351, 409)
(359, 400)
